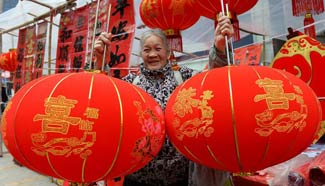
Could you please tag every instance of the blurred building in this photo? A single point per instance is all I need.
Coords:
(7, 4)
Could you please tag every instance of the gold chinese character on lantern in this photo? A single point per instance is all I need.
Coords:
(278, 100)
(58, 120)
(57, 115)
(274, 94)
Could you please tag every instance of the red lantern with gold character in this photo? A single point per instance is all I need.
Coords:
(211, 9)
(83, 127)
(170, 16)
(8, 60)
(252, 118)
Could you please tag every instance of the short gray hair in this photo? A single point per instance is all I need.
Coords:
(157, 32)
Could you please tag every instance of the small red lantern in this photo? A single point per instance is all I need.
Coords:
(253, 118)
(211, 9)
(83, 127)
(170, 16)
(8, 60)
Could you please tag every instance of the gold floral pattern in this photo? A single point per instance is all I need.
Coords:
(186, 104)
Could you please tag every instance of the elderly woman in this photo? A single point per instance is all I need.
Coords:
(158, 79)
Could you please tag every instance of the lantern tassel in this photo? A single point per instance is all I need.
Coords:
(309, 27)
(174, 39)
(300, 7)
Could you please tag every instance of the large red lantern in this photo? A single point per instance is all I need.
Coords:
(8, 60)
(83, 127)
(250, 119)
(307, 8)
(211, 9)
(304, 57)
(171, 16)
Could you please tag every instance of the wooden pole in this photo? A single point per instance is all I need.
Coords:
(107, 30)
(94, 36)
(50, 46)
(40, 3)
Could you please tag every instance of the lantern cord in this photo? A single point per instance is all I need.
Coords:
(94, 33)
(226, 36)
(107, 29)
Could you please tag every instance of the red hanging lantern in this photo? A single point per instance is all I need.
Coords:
(304, 57)
(83, 127)
(307, 8)
(170, 16)
(211, 9)
(8, 61)
(253, 118)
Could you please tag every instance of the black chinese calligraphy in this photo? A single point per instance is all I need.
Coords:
(65, 34)
(119, 8)
(64, 51)
(78, 47)
(118, 30)
(116, 58)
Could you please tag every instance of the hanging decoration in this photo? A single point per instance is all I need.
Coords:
(171, 16)
(212, 8)
(304, 57)
(64, 125)
(8, 60)
(308, 8)
(278, 116)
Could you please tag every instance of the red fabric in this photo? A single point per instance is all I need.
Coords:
(212, 125)
(64, 126)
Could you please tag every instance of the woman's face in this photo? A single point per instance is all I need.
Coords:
(154, 53)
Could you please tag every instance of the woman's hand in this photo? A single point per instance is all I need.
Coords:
(224, 28)
(103, 40)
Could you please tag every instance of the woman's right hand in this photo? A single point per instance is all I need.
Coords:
(103, 40)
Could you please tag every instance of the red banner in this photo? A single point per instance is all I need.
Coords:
(75, 43)
(40, 49)
(63, 58)
(249, 55)
(72, 41)
(30, 53)
(122, 25)
(18, 77)
(79, 38)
